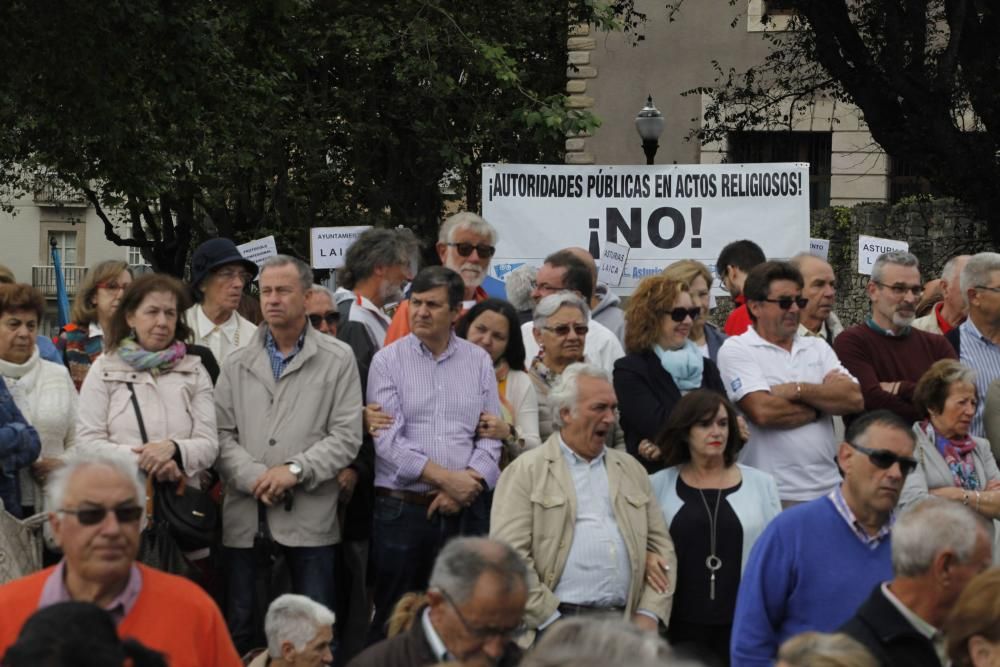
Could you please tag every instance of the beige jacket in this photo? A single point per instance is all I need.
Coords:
(310, 416)
(176, 405)
(534, 509)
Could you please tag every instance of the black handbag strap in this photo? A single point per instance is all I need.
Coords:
(138, 413)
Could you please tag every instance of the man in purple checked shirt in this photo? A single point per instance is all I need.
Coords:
(433, 471)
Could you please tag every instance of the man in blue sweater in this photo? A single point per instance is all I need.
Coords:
(817, 562)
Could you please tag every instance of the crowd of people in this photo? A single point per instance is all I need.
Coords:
(409, 472)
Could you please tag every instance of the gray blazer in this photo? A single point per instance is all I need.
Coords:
(311, 415)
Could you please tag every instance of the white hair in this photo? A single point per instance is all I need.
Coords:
(977, 271)
(949, 272)
(894, 257)
(319, 289)
(929, 527)
(469, 221)
(464, 560)
(551, 304)
(566, 391)
(295, 619)
(83, 456)
(304, 270)
(518, 284)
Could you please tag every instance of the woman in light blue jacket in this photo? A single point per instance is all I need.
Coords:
(716, 509)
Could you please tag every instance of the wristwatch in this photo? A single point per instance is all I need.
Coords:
(296, 470)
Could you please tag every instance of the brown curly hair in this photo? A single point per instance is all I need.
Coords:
(653, 296)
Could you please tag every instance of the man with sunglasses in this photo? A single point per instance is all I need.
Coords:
(816, 563)
(96, 503)
(219, 274)
(475, 603)
(466, 243)
(885, 352)
(321, 311)
(788, 386)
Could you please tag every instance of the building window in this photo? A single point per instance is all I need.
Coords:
(779, 7)
(811, 147)
(904, 181)
(66, 244)
(135, 257)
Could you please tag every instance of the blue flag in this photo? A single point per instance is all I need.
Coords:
(62, 299)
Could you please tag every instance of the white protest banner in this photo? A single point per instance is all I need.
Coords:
(612, 264)
(870, 247)
(327, 245)
(819, 248)
(662, 213)
(258, 250)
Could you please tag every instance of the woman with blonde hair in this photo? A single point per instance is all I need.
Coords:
(705, 335)
(97, 298)
(662, 363)
(973, 626)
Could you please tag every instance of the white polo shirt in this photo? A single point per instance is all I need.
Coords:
(801, 459)
(601, 346)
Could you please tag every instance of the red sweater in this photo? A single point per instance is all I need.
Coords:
(873, 358)
(171, 615)
(739, 320)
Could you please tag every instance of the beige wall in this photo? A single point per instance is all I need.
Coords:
(678, 56)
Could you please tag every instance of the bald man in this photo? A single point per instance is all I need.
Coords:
(604, 305)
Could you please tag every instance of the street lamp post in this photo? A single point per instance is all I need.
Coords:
(649, 125)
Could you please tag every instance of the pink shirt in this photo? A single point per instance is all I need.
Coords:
(54, 591)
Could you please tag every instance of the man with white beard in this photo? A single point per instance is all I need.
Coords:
(466, 244)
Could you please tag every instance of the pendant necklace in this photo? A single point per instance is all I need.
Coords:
(713, 562)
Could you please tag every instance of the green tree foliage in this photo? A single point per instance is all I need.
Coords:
(922, 72)
(186, 119)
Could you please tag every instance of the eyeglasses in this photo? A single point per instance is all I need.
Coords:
(564, 329)
(330, 318)
(91, 516)
(227, 275)
(900, 290)
(883, 458)
(786, 302)
(988, 288)
(465, 249)
(483, 633)
(113, 286)
(681, 314)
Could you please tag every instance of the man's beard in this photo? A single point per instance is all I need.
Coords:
(901, 320)
(472, 282)
(390, 293)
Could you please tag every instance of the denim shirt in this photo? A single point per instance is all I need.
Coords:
(19, 447)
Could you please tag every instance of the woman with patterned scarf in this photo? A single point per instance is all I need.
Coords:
(147, 358)
(951, 463)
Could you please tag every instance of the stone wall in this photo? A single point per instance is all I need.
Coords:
(936, 230)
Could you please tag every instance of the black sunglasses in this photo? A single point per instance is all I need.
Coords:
(786, 302)
(465, 249)
(91, 516)
(564, 329)
(330, 318)
(883, 458)
(680, 314)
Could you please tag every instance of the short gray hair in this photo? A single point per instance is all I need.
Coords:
(295, 619)
(977, 271)
(469, 221)
(519, 284)
(319, 289)
(597, 640)
(125, 463)
(948, 270)
(896, 258)
(465, 559)
(566, 391)
(304, 270)
(927, 528)
(551, 304)
(378, 247)
(818, 649)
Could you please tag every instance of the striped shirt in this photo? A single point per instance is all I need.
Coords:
(871, 541)
(278, 361)
(597, 572)
(435, 405)
(983, 356)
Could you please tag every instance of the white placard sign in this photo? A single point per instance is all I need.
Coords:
(870, 247)
(819, 248)
(327, 245)
(661, 213)
(258, 250)
(612, 264)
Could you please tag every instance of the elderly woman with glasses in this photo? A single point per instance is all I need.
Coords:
(662, 363)
(97, 299)
(951, 463)
(560, 326)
